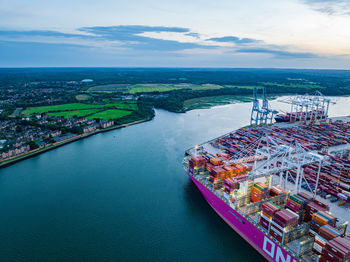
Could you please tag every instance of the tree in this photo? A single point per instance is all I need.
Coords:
(19, 129)
(33, 145)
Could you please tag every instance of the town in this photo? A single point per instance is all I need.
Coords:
(26, 129)
(20, 136)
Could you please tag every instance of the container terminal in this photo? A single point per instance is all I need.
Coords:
(284, 187)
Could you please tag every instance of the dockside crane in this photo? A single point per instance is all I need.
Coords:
(255, 114)
(267, 113)
(275, 158)
(263, 115)
(308, 107)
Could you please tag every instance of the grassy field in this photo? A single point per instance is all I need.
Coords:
(205, 87)
(245, 87)
(152, 88)
(82, 97)
(149, 88)
(128, 106)
(146, 88)
(110, 114)
(210, 101)
(77, 106)
(110, 88)
(46, 109)
(309, 86)
(103, 111)
(78, 113)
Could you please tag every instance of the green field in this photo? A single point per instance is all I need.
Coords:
(46, 109)
(78, 113)
(127, 106)
(291, 85)
(244, 87)
(205, 87)
(210, 101)
(147, 88)
(109, 88)
(82, 97)
(103, 111)
(77, 106)
(109, 114)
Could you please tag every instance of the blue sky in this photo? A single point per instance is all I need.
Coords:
(196, 33)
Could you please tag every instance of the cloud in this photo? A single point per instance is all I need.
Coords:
(131, 34)
(15, 34)
(193, 34)
(128, 36)
(138, 41)
(277, 52)
(330, 7)
(234, 39)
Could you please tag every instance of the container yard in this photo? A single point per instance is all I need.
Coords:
(284, 187)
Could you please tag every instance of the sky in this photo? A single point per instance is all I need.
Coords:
(181, 33)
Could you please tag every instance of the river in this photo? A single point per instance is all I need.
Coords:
(123, 196)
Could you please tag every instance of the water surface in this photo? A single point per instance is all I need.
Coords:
(122, 196)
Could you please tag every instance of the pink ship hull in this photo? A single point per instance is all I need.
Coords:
(267, 247)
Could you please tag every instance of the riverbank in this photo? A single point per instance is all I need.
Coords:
(207, 102)
(38, 151)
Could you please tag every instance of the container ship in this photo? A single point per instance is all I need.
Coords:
(284, 188)
(300, 116)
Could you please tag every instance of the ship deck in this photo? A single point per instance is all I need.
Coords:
(212, 148)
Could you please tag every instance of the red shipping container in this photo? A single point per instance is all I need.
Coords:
(339, 247)
(264, 223)
(286, 218)
(328, 232)
(293, 205)
(310, 209)
(330, 257)
(276, 233)
(306, 196)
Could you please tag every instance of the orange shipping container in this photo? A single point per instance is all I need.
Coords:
(223, 155)
(209, 166)
(267, 215)
(255, 199)
(230, 169)
(216, 161)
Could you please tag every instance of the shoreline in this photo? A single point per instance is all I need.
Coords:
(39, 151)
(18, 158)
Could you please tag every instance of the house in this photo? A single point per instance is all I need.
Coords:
(105, 124)
(90, 128)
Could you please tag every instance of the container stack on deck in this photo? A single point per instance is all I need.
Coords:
(336, 250)
(325, 234)
(268, 212)
(283, 221)
(334, 178)
(259, 192)
(288, 217)
(297, 204)
(313, 137)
